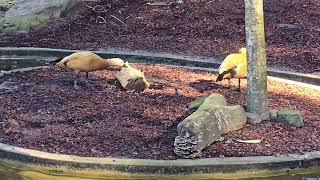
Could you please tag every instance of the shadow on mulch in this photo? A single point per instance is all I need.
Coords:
(206, 85)
(79, 121)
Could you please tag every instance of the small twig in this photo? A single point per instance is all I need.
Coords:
(101, 22)
(117, 19)
(69, 26)
(159, 145)
(4, 92)
(158, 4)
(88, 6)
(103, 9)
(94, 9)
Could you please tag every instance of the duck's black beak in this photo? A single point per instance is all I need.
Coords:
(220, 77)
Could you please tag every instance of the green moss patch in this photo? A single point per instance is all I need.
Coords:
(22, 23)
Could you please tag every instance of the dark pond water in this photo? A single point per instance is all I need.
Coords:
(7, 64)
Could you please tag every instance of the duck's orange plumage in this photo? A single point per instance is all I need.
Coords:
(86, 61)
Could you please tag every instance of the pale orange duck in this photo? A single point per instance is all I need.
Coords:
(85, 61)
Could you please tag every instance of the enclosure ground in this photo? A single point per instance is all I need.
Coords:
(45, 113)
(203, 28)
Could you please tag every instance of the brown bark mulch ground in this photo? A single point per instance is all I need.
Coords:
(45, 113)
(205, 28)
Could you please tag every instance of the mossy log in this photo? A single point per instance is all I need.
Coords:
(206, 125)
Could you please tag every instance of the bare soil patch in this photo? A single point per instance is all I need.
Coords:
(45, 113)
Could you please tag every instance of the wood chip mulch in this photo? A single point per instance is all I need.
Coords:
(45, 113)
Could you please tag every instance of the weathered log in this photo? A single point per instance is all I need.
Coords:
(206, 125)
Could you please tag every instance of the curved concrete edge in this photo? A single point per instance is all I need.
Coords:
(226, 165)
(301, 84)
(154, 58)
(298, 77)
(32, 170)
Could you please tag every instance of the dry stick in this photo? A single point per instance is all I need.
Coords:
(117, 19)
(210, 2)
(99, 17)
(69, 27)
(101, 22)
(95, 7)
(159, 4)
(88, 6)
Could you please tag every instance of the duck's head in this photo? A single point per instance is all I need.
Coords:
(243, 51)
(126, 64)
(116, 62)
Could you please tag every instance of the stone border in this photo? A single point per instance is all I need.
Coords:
(213, 167)
(154, 58)
(226, 165)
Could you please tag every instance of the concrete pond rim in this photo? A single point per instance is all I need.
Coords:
(216, 167)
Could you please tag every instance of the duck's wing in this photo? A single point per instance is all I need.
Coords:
(230, 62)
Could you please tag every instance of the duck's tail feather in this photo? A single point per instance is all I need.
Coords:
(54, 62)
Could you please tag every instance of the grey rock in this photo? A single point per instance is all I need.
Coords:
(273, 113)
(253, 118)
(205, 126)
(291, 117)
(26, 14)
(234, 117)
(265, 116)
